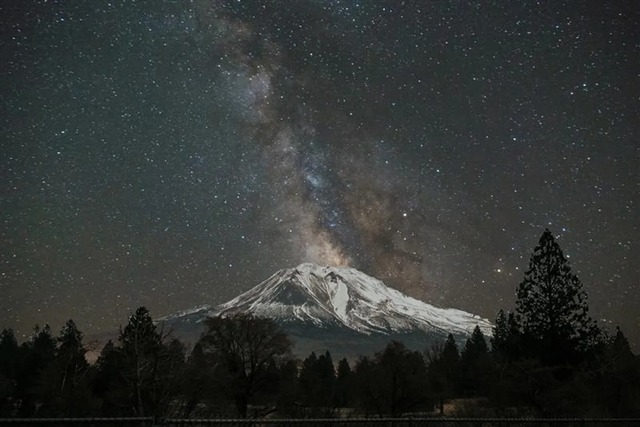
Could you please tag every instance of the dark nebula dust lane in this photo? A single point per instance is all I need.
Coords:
(171, 154)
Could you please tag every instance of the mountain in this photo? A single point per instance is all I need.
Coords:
(341, 309)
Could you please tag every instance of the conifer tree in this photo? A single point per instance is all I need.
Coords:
(476, 366)
(150, 366)
(553, 306)
(619, 350)
(66, 379)
(343, 383)
(37, 355)
(110, 384)
(393, 383)
(444, 371)
(8, 351)
(287, 388)
(618, 388)
(505, 343)
(317, 382)
(70, 357)
(327, 377)
(9, 358)
(476, 345)
(197, 381)
(500, 332)
(139, 344)
(308, 379)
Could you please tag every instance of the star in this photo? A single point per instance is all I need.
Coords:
(191, 150)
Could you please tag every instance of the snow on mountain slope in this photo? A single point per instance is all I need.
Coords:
(345, 297)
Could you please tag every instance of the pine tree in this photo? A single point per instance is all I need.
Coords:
(9, 358)
(553, 306)
(343, 383)
(476, 366)
(8, 351)
(506, 340)
(196, 382)
(67, 379)
(327, 378)
(444, 371)
(476, 345)
(150, 367)
(500, 333)
(450, 353)
(308, 380)
(139, 342)
(38, 354)
(317, 382)
(619, 349)
(109, 384)
(70, 357)
(393, 383)
(619, 388)
(287, 389)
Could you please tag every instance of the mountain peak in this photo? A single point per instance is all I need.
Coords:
(316, 269)
(338, 308)
(345, 297)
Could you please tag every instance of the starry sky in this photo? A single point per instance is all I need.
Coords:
(174, 153)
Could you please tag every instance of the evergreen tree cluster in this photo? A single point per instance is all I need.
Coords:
(546, 358)
(550, 357)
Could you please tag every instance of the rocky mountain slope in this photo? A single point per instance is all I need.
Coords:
(341, 309)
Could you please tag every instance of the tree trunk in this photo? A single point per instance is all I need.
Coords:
(241, 405)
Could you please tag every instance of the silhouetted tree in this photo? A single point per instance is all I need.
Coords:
(170, 373)
(393, 383)
(476, 346)
(316, 383)
(31, 386)
(619, 385)
(444, 371)
(243, 350)
(9, 362)
(548, 352)
(141, 376)
(553, 307)
(364, 387)
(67, 379)
(287, 388)
(476, 365)
(109, 384)
(327, 378)
(506, 342)
(140, 345)
(511, 363)
(344, 384)
(307, 379)
(197, 382)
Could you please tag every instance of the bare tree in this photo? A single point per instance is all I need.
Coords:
(243, 350)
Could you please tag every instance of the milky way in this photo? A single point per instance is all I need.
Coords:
(171, 154)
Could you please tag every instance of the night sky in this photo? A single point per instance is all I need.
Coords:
(176, 153)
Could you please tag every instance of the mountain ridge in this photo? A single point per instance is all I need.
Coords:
(323, 307)
(349, 297)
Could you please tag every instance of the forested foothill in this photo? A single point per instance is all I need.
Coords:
(547, 358)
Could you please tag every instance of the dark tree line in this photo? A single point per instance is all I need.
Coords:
(550, 357)
(546, 358)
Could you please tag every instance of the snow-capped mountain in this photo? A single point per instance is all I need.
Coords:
(335, 306)
(349, 298)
